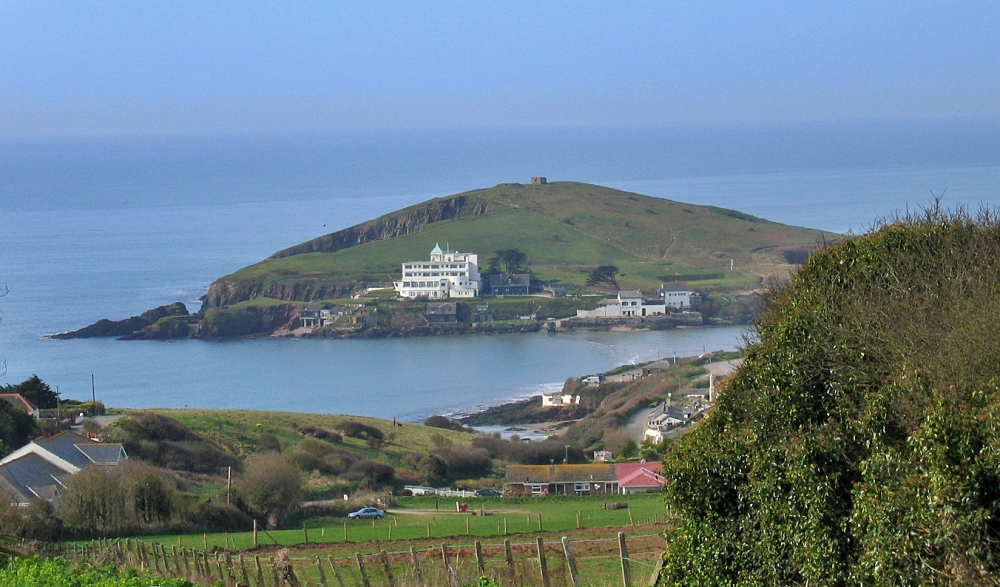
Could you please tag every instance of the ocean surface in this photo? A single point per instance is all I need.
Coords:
(109, 227)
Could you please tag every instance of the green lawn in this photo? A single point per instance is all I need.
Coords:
(416, 518)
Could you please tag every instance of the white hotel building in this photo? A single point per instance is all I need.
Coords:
(447, 274)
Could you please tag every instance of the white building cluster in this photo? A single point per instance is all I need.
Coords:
(446, 274)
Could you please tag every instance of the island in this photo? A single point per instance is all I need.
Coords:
(546, 256)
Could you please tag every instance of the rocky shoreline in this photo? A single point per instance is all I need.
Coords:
(173, 321)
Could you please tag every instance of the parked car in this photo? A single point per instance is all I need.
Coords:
(488, 492)
(367, 513)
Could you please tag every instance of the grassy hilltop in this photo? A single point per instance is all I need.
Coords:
(566, 228)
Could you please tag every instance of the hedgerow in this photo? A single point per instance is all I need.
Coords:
(57, 572)
(859, 442)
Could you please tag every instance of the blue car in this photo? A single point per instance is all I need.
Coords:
(367, 513)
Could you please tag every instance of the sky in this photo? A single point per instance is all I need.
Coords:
(189, 66)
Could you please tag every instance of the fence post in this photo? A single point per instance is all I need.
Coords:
(416, 566)
(243, 571)
(510, 560)
(571, 562)
(305, 532)
(479, 558)
(452, 576)
(388, 569)
(260, 571)
(623, 551)
(255, 532)
(364, 574)
(274, 572)
(222, 570)
(156, 560)
(322, 575)
(542, 565)
(336, 571)
(177, 564)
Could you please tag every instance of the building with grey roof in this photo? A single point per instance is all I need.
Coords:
(41, 469)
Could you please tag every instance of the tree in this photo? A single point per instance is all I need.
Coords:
(94, 502)
(35, 391)
(507, 262)
(17, 427)
(605, 275)
(271, 485)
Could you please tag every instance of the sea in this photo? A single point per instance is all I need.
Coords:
(108, 227)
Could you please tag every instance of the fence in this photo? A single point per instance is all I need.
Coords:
(629, 562)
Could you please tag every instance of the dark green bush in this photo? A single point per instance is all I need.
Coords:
(859, 442)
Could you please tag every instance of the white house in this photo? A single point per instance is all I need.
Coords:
(446, 274)
(559, 400)
(667, 419)
(627, 304)
(676, 295)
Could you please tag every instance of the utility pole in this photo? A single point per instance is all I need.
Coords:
(229, 486)
(93, 396)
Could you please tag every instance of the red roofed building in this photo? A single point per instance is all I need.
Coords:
(640, 477)
(19, 401)
(589, 479)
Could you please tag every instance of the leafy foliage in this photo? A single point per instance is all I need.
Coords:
(507, 262)
(271, 485)
(35, 391)
(604, 275)
(17, 428)
(859, 442)
(57, 572)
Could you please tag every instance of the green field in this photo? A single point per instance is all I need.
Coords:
(415, 518)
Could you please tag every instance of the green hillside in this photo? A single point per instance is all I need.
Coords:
(566, 229)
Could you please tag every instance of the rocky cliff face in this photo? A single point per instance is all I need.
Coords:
(225, 293)
(126, 327)
(408, 221)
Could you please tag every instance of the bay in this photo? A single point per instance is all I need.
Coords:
(109, 227)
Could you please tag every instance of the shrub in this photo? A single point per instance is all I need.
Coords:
(320, 434)
(270, 485)
(372, 474)
(476, 463)
(268, 442)
(356, 429)
(445, 423)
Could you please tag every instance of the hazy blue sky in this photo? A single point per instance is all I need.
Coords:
(93, 67)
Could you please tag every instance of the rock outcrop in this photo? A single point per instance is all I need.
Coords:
(406, 221)
(127, 327)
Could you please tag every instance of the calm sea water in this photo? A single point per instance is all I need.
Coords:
(110, 227)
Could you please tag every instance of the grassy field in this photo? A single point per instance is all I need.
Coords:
(238, 431)
(415, 518)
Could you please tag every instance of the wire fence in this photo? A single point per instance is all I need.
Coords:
(602, 562)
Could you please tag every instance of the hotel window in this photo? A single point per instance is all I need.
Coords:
(536, 489)
(582, 487)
